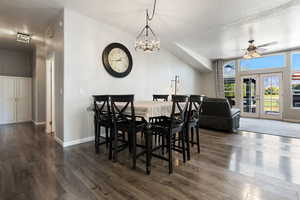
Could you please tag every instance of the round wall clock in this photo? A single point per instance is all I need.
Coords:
(117, 60)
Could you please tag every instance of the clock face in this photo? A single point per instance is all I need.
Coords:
(117, 60)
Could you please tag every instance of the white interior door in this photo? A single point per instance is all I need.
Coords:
(23, 99)
(250, 96)
(7, 100)
(271, 96)
(15, 99)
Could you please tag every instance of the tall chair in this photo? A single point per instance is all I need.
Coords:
(125, 120)
(102, 118)
(158, 97)
(170, 128)
(193, 121)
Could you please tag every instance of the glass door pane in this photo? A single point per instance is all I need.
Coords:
(271, 93)
(249, 95)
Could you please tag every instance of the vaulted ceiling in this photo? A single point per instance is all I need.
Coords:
(201, 28)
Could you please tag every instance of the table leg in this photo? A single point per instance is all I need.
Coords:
(187, 135)
(133, 137)
(111, 136)
(96, 135)
(115, 144)
(148, 148)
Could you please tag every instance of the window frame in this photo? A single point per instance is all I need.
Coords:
(290, 78)
(235, 77)
(285, 64)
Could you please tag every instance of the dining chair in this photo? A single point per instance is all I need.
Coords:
(125, 120)
(171, 129)
(102, 118)
(157, 97)
(193, 121)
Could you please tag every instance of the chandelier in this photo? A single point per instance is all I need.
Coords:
(147, 40)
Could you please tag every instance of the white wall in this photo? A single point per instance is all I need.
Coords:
(208, 84)
(15, 63)
(39, 84)
(84, 75)
(55, 46)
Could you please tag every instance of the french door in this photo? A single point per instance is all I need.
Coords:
(262, 96)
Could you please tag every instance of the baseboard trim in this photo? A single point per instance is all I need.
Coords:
(59, 141)
(292, 120)
(74, 142)
(79, 141)
(39, 123)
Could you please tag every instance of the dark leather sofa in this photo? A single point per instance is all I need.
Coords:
(217, 114)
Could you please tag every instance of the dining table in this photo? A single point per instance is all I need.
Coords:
(150, 109)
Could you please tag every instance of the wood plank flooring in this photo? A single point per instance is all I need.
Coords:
(244, 166)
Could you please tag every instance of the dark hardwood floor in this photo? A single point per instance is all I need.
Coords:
(245, 166)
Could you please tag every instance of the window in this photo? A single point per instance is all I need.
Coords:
(229, 80)
(275, 61)
(295, 80)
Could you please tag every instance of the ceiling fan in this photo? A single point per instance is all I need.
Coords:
(253, 51)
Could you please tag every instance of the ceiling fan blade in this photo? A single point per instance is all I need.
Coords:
(261, 49)
(267, 44)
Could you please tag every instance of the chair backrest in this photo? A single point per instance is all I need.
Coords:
(195, 102)
(216, 107)
(157, 97)
(101, 106)
(203, 97)
(122, 108)
(179, 108)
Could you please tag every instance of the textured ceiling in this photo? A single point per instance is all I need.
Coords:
(209, 28)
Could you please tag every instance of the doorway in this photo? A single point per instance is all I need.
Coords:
(15, 99)
(262, 96)
(50, 95)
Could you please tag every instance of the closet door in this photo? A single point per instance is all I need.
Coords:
(23, 100)
(7, 100)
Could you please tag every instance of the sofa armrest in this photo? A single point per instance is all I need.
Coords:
(235, 111)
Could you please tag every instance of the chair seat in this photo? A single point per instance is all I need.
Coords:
(164, 126)
(104, 120)
(125, 125)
